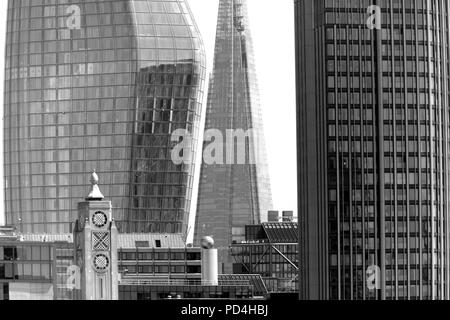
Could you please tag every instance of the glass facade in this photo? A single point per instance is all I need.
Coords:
(36, 271)
(26, 263)
(26, 271)
(100, 85)
(382, 120)
(233, 193)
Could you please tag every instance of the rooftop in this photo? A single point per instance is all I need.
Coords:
(281, 232)
(255, 280)
(131, 241)
(125, 241)
(238, 280)
(8, 233)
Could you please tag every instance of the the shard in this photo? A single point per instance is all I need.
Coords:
(234, 189)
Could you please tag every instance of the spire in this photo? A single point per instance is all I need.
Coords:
(96, 194)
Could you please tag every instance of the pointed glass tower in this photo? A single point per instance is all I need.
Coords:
(234, 193)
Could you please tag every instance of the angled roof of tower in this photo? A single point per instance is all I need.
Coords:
(234, 187)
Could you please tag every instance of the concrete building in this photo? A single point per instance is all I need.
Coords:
(160, 267)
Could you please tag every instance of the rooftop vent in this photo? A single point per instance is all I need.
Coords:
(142, 244)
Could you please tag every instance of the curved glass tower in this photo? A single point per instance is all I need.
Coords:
(373, 121)
(100, 85)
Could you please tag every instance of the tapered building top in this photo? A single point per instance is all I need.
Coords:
(234, 187)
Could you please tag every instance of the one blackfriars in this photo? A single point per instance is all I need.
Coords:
(100, 85)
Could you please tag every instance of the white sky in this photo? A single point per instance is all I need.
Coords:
(273, 35)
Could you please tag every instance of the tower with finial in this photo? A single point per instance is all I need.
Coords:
(95, 240)
(95, 194)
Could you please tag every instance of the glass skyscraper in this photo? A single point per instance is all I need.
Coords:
(233, 192)
(373, 129)
(100, 85)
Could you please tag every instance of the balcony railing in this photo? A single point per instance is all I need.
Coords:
(181, 282)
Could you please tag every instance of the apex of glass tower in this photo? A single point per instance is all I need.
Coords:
(233, 192)
(95, 194)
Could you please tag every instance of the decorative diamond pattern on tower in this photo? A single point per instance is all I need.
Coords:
(101, 241)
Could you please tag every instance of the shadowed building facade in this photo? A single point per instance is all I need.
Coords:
(373, 146)
(233, 193)
(100, 85)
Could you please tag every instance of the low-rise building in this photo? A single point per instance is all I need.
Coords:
(34, 267)
(151, 267)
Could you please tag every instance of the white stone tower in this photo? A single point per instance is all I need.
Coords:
(95, 239)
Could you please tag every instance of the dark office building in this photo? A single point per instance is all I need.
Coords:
(373, 118)
(235, 190)
(270, 250)
(100, 85)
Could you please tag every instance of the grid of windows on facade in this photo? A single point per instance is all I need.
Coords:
(100, 85)
(138, 293)
(64, 288)
(25, 263)
(277, 270)
(154, 262)
(408, 72)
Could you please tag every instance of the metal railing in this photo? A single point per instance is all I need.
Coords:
(181, 282)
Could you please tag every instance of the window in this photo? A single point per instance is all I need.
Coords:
(177, 269)
(161, 269)
(128, 256)
(177, 256)
(142, 244)
(193, 256)
(6, 271)
(161, 256)
(145, 256)
(194, 269)
(145, 269)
